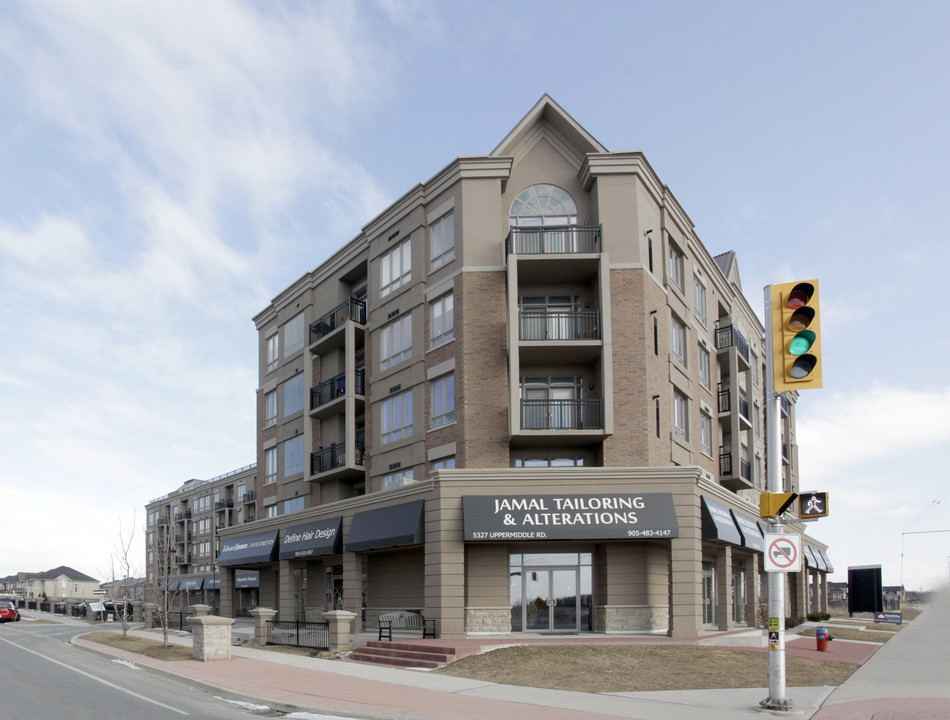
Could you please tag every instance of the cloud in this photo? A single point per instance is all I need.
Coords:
(879, 422)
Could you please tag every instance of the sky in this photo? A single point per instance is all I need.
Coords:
(167, 168)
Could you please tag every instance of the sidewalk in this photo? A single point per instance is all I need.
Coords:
(908, 674)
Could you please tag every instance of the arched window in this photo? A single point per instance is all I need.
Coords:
(543, 205)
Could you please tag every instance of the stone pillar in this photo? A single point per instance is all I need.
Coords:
(353, 588)
(340, 621)
(226, 592)
(815, 592)
(137, 614)
(724, 598)
(445, 577)
(752, 591)
(261, 616)
(285, 591)
(200, 610)
(686, 581)
(823, 577)
(210, 637)
(148, 611)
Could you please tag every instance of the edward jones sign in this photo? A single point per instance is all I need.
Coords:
(569, 517)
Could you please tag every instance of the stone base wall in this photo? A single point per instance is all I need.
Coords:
(631, 618)
(487, 620)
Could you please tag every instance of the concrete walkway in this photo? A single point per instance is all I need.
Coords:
(908, 677)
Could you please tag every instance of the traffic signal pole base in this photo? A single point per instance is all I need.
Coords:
(780, 707)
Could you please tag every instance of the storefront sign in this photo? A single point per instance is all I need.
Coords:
(247, 579)
(312, 539)
(569, 517)
(249, 549)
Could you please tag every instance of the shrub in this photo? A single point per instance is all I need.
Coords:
(818, 617)
(794, 621)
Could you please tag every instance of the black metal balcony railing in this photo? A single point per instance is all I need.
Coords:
(179, 538)
(743, 407)
(728, 336)
(334, 456)
(249, 496)
(726, 469)
(182, 515)
(223, 504)
(554, 239)
(562, 414)
(182, 559)
(568, 325)
(351, 309)
(336, 387)
(162, 520)
(725, 399)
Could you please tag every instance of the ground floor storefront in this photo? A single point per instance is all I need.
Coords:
(486, 552)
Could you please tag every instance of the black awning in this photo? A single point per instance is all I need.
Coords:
(247, 579)
(750, 531)
(824, 556)
(213, 583)
(386, 527)
(810, 560)
(322, 537)
(718, 524)
(191, 583)
(819, 559)
(249, 549)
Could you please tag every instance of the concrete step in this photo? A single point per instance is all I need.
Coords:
(397, 657)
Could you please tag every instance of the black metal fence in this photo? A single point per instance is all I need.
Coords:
(176, 620)
(314, 635)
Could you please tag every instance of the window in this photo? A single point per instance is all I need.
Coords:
(395, 342)
(397, 417)
(270, 409)
(676, 266)
(241, 492)
(705, 433)
(443, 400)
(396, 479)
(293, 505)
(293, 395)
(270, 510)
(699, 300)
(442, 241)
(395, 268)
(446, 463)
(442, 327)
(680, 421)
(704, 367)
(293, 456)
(679, 340)
(271, 348)
(293, 335)
(270, 466)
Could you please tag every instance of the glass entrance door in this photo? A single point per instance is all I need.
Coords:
(709, 594)
(550, 600)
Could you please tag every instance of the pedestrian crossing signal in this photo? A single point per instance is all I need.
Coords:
(812, 505)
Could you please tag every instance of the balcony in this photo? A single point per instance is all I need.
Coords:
(727, 337)
(182, 538)
(182, 515)
(249, 496)
(162, 520)
(726, 404)
(554, 240)
(182, 559)
(335, 388)
(727, 471)
(559, 326)
(331, 460)
(351, 309)
(223, 504)
(572, 414)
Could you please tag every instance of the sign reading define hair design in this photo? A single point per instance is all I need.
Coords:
(322, 537)
(569, 517)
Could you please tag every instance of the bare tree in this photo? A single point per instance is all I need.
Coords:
(121, 564)
(159, 576)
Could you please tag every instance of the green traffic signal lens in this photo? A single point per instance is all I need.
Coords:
(801, 343)
(803, 366)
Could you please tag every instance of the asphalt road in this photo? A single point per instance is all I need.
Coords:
(43, 677)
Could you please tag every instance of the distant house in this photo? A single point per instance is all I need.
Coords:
(837, 593)
(132, 588)
(61, 583)
(892, 596)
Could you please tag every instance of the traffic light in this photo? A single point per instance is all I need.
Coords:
(796, 336)
(812, 505)
(774, 504)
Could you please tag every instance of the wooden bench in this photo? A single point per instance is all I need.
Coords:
(405, 622)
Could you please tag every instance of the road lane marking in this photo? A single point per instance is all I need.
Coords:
(97, 679)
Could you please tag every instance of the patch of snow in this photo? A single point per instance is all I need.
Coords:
(127, 663)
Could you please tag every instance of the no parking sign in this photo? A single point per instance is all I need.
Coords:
(783, 553)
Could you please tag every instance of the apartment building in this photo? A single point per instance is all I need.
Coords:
(526, 398)
(183, 539)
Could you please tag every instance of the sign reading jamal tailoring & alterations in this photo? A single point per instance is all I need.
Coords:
(569, 517)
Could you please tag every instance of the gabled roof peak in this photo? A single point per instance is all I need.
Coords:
(548, 111)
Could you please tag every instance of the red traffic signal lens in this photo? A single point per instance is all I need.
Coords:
(800, 296)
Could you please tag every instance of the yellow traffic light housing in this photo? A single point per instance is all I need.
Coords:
(774, 504)
(796, 336)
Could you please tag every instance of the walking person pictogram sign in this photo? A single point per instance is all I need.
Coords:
(783, 553)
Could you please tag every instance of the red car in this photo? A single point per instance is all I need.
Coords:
(8, 612)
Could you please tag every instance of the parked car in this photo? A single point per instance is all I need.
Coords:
(115, 607)
(8, 613)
